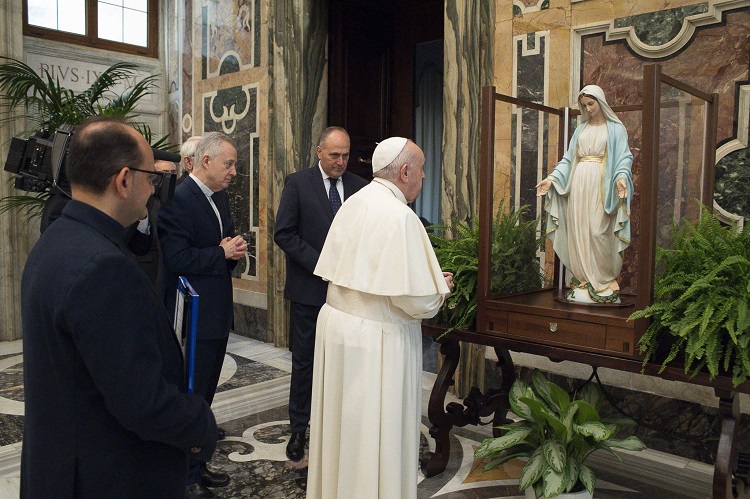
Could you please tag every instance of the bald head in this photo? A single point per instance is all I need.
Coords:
(100, 147)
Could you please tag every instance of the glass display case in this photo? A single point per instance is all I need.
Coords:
(672, 136)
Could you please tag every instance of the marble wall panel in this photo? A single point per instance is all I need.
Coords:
(185, 30)
(231, 29)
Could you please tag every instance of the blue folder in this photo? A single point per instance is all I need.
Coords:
(186, 327)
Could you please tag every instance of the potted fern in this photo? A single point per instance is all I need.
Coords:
(556, 433)
(701, 308)
(514, 268)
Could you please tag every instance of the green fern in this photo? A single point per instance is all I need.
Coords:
(514, 266)
(701, 298)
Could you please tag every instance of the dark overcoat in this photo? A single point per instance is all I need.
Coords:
(105, 410)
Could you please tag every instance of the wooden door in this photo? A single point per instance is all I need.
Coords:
(360, 67)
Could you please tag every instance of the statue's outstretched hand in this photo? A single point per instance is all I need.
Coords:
(543, 186)
(622, 188)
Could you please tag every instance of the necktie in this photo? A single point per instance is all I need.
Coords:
(333, 196)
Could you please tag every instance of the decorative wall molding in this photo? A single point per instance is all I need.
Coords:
(743, 125)
(520, 8)
(246, 20)
(716, 8)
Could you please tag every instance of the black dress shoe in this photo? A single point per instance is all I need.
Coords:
(213, 478)
(196, 490)
(221, 434)
(295, 449)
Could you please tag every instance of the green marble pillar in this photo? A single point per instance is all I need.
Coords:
(468, 67)
(298, 69)
(16, 234)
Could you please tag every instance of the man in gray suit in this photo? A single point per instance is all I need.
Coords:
(308, 204)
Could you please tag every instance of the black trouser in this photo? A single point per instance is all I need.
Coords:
(209, 357)
(302, 319)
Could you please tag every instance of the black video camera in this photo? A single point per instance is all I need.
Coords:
(39, 163)
(38, 160)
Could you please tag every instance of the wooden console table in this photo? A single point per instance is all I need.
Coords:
(731, 469)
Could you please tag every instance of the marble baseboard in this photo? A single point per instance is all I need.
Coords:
(251, 322)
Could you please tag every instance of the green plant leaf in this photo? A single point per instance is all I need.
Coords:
(593, 429)
(571, 475)
(493, 445)
(554, 482)
(554, 454)
(532, 471)
(587, 478)
(518, 390)
(630, 443)
(592, 394)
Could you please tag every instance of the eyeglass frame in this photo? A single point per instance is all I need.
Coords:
(157, 177)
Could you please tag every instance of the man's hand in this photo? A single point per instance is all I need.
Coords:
(449, 280)
(234, 248)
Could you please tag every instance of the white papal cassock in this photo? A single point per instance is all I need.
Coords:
(366, 403)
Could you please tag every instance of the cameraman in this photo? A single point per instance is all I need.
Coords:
(104, 383)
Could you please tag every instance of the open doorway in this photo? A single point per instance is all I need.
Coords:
(385, 76)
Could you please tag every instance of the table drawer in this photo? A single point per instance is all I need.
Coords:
(560, 331)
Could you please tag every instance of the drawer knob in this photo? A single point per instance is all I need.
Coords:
(553, 326)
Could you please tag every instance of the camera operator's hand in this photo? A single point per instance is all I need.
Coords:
(234, 248)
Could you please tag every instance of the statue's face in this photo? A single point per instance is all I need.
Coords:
(592, 107)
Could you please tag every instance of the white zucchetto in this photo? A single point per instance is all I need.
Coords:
(386, 152)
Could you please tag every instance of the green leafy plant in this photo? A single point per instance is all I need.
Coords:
(514, 267)
(557, 434)
(702, 300)
(48, 105)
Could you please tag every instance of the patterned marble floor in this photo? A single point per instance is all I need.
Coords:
(251, 404)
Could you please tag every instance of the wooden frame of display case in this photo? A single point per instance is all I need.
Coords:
(537, 323)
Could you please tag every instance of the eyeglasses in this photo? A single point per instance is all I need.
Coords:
(156, 177)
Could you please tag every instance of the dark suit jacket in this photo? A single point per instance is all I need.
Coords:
(189, 237)
(145, 247)
(302, 223)
(106, 415)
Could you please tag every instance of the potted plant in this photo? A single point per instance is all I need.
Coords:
(557, 434)
(701, 308)
(48, 105)
(514, 268)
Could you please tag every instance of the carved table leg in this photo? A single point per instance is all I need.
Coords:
(434, 463)
(731, 468)
(507, 376)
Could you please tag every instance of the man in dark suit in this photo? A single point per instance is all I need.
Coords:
(143, 240)
(306, 209)
(106, 413)
(196, 235)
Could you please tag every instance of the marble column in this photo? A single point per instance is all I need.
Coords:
(297, 107)
(17, 235)
(468, 67)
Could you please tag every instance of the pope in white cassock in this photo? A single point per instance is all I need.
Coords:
(383, 280)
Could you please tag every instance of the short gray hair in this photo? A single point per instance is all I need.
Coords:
(209, 146)
(187, 150)
(390, 172)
